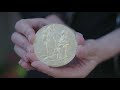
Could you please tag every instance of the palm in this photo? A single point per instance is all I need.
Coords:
(78, 68)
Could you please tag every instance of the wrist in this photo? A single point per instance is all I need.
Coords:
(101, 51)
(105, 51)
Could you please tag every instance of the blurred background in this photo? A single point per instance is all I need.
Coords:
(9, 67)
(8, 59)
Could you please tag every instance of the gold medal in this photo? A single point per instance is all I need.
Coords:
(55, 45)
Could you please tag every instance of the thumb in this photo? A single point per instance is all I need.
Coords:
(89, 49)
(32, 57)
(81, 52)
(79, 38)
(38, 65)
(41, 67)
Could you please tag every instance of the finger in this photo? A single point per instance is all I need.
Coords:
(91, 47)
(26, 65)
(37, 23)
(37, 64)
(41, 66)
(21, 41)
(81, 52)
(23, 27)
(88, 50)
(55, 72)
(20, 52)
(79, 38)
(62, 72)
(32, 57)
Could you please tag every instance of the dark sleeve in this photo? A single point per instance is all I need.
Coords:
(118, 20)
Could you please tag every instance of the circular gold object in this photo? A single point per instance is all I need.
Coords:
(55, 45)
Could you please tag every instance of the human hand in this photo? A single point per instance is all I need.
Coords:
(85, 61)
(89, 52)
(24, 35)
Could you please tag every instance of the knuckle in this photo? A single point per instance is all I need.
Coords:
(18, 23)
(42, 21)
(24, 44)
(27, 32)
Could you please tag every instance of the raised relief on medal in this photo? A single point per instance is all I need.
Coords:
(55, 45)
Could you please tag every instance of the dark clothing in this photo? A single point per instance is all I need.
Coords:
(92, 25)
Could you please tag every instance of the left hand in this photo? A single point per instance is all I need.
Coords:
(24, 35)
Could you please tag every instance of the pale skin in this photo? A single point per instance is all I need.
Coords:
(89, 54)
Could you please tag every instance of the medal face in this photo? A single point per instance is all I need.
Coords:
(55, 45)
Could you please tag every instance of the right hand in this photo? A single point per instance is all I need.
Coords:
(24, 36)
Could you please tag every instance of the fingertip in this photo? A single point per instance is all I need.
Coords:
(20, 62)
(80, 39)
(34, 63)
